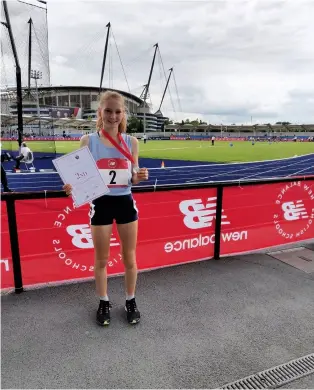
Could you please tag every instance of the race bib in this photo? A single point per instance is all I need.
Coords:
(115, 171)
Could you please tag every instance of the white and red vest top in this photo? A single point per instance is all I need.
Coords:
(115, 168)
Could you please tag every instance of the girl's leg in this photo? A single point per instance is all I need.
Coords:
(101, 240)
(128, 237)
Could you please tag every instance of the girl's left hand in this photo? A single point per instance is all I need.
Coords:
(141, 175)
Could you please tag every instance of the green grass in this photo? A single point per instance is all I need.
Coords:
(241, 151)
(44, 146)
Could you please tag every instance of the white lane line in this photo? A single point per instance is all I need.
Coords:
(236, 163)
(305, 169)
(236, 172)
(274, 169)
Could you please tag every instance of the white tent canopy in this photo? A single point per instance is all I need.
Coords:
(12, 120)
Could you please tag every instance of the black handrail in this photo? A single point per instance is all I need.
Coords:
(11, 197)
(14, 242)
(218, 222)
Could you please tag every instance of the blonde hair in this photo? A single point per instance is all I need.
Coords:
(103, 98)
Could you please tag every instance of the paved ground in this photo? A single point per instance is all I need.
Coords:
(203, 325)
(303, 383)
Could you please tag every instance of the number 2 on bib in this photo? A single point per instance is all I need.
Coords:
(113, 175)
(115, 171)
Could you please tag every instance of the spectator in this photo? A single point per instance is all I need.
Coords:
(4, 179)
(25, 150)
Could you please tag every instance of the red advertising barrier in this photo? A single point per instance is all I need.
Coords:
(7, 280)
(266, 215)
(248, 138)
(208, 138)
(55, 238)
(174, 227)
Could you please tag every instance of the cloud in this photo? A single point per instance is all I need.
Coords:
(232, 59)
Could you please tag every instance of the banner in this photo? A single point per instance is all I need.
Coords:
(174, 227)
(267, 215)
(7, 280)
(190, 137)
(56, 138)
(56, 244)
(65, 112)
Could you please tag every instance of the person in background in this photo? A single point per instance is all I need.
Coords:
(116, 156)
(23, 154)
(4, 180)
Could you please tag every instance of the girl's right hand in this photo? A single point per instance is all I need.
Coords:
(68, 189)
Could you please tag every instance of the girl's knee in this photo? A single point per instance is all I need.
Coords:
(101, 263)
(130, 265)
(129, 259)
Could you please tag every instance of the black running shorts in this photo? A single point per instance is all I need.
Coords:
(108, 208)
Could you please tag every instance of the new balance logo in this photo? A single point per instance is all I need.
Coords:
(294, 210)
(6, 264)
(82, 236)
(198, 215)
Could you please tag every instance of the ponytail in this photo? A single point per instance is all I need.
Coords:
(122, 126)
(99, 123)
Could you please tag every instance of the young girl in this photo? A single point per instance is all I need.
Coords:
(116, 155)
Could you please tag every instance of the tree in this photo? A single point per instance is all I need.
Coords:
(140, 128)
(132, 125)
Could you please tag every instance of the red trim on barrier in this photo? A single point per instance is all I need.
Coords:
(174, 227)
(188, 137)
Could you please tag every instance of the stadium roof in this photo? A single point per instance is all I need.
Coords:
(11, 120)
(61, 88)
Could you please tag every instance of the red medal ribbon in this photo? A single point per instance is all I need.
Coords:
(126, 153)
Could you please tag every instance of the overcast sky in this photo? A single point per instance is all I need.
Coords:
(232, 59)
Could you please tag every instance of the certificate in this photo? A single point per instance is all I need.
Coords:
(79, 169)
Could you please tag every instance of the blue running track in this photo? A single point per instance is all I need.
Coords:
(181, 172)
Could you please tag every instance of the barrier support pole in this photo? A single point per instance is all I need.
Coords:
(218, 222)
(15, 250)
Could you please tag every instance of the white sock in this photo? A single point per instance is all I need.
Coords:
(129, 297)
(105, 298)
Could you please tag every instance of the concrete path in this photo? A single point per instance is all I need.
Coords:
(203, 325)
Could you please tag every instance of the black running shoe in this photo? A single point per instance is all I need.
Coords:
(132, 314)
(103, 313)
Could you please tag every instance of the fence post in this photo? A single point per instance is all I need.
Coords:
(218, 221)
(15, 250)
